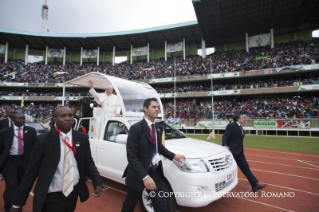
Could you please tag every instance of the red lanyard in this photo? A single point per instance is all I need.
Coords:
(18, 136)
(151, 132)
(66, 143)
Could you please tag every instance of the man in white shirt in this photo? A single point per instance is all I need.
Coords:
(16, 143)
(60, 161)
(110, 102)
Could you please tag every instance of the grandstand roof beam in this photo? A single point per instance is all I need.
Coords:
(130, 41)
(112, 42)
(295, 23)
(164, 36)
(80, 42)
(221, 19)
(26, 41)
(148, 41)
(97, 43)
(44, 41)
(64, 44)
(5, 39)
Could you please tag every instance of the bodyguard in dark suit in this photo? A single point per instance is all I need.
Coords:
(233, 140)
(4, 123)
(144, 170)
(16, 144)
(60, 160)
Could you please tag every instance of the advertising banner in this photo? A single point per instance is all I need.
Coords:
(70, 98)
(259, 40)
(170, 121)
(61, 85)
(174, 47)
(225, 92)
(307, 87)
(139, 51)
(209, 124)
(281, 123)
(171, 79)
(299, 67)
(14, 84)
(222, 75)
(55, 53)
(89, 53)
(13, 98)
(167, 95)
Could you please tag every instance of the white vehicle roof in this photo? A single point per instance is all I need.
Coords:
(131, 94)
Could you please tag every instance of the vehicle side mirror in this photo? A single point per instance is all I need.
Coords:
(121, 138)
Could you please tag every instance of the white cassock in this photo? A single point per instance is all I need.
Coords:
(110, 105)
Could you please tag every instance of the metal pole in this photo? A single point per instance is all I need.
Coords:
(64, 56)
(113, 56)
(6, 54)
(211, 82)
(26, 54)
(272, 38)
(131, 55)
(98, 56)
(174, 91)
(246, 38)
(46, 55)
(148, 52)
(63, 95)
(165, 51)
(81, 56)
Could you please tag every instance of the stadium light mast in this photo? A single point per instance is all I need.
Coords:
(44, 16)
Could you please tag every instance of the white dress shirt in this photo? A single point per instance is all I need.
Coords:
(14, 146)
(57, 180)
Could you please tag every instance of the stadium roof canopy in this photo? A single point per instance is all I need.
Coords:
(155, 36)
(226, 21)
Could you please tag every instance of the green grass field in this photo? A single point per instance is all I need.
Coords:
(297, 144)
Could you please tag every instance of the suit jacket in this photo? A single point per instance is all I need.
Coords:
(4, 123)
(51, 124)
(44, 162)
(6, 139)
(233, 138)
(140, 150)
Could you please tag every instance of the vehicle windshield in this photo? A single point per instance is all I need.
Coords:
(170, 131)
(35, 125)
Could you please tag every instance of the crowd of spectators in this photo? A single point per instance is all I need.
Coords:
(264, 107)
(283, 54)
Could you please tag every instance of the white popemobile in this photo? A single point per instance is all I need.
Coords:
(209, 170)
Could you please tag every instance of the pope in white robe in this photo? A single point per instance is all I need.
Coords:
(110, 103)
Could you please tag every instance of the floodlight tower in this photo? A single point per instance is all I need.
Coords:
(44, 15)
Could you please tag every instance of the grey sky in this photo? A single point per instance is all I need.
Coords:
(86, 16)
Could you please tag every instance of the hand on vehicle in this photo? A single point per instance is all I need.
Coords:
(226, 147)
(149, 183)
(16, 209)
(179, 157)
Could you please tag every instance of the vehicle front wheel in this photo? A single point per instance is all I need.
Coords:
(146, 201)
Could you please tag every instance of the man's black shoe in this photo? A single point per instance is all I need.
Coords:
(258, 187)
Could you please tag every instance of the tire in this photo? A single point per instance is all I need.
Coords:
(146, 201)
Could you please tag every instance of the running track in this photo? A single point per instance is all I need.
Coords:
(283, 172)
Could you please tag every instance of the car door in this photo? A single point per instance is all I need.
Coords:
(111, 156)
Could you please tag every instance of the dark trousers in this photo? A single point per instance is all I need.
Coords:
(57, 202)
(160, 203)
(12, 172)
(244, 167)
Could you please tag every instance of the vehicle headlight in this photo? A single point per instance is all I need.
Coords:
(192, 165)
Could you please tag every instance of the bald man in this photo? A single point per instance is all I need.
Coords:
(60, 161)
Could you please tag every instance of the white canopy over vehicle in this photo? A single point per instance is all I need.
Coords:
(131, 94)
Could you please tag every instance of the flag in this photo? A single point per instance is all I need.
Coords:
(67, 101)
(22, 101)
(211, 135)
(163, 135)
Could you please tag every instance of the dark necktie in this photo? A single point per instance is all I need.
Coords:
(153, 134)
(242, 131)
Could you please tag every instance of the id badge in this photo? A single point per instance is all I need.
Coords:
(156, 158)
